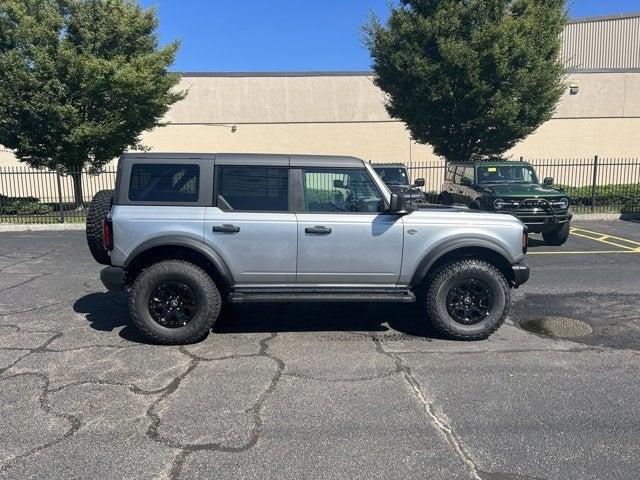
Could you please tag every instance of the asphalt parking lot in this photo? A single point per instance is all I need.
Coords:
(320, 391)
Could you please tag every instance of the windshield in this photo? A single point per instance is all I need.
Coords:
(506, 174)
(392, 175)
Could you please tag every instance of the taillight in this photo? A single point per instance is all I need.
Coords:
(525, 240)
(107, 235)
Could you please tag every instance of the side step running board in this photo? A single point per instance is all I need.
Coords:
(263, 296)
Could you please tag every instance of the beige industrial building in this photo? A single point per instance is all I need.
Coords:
(343, 112)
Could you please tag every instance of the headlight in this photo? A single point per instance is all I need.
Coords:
(498, 203)
(563, 203)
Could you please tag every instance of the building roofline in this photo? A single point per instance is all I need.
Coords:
(618, 16)
(573, 70)
(355, 73)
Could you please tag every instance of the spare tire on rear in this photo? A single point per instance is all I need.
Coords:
(98, 210)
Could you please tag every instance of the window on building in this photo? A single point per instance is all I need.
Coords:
(171, 183)
(253, 188)
(340, 190)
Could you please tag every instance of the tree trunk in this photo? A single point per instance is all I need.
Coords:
(76, 175)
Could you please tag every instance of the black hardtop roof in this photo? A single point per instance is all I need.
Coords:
(490, 163)
(389, 164)
(292, 160)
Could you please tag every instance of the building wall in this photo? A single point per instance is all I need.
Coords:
(343, 113)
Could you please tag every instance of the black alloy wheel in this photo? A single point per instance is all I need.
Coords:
(469, 301)
(173, 304)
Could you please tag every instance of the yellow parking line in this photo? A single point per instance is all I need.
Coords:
(603, 241)
(588, 252)
(609, 236)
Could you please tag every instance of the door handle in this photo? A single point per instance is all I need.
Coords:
(318, 230)
(226, 229)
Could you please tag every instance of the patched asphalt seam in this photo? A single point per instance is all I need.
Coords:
(35, 277)
(74, 422)
(256, 410)
(30, 351)
(437, 420)
(36, 257)
(41, 307)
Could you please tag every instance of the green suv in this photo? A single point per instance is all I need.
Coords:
(512, 188)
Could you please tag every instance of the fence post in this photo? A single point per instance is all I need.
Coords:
(594, 184)
(61, 209)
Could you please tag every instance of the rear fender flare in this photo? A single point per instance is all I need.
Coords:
(185, 242)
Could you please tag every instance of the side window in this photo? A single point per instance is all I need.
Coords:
(253, 188)
(451, 171)
(340, 190)
(458, 174)
(171, 183)
(468, 173)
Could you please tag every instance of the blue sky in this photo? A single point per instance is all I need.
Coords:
(289, 35)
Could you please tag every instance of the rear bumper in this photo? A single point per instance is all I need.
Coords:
(521, 273)
(113, 278)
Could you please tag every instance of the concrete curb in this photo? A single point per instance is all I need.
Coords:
(54, 227)
(599, 217)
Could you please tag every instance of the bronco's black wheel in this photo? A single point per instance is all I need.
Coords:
(559, 236)
(467, 299)
(98, 210)
(174, 302)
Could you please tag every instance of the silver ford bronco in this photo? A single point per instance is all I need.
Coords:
(185, 232)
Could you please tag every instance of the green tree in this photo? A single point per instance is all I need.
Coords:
(470, 77)
(80, 80)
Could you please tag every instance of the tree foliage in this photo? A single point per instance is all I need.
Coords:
(80, 80)
(470, 77)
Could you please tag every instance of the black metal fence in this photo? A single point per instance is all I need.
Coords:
(29, 195)
(596, 185)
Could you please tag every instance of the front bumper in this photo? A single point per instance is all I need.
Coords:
(113, 278)
(544, 223)
(521, 273)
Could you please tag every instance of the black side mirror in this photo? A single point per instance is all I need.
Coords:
(548, 181)
(419, 182)
(465, 182)
(398, 204)
(338, 184)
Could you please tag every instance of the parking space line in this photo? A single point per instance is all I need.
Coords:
(605, 236)
(602, 241)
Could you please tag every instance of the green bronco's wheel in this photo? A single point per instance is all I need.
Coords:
(174, 302)
(559, 236)
(98, 210)
(467, 299)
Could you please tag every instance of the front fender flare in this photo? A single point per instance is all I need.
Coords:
(451, 244)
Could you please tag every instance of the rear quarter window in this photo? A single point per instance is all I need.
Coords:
(170, 183)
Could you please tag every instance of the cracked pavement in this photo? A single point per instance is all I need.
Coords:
(314, 391)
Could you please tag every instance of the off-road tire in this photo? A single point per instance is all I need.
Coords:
(437, 289)
(557, 237)
(207, 311)
(98, 210)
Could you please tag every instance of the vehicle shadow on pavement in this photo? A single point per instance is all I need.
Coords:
(108, 312)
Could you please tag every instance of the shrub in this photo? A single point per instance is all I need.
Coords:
(627, 197)
(23, 206)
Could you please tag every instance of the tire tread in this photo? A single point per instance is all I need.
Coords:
(98, 210)
(445, 272)
(212, 295)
